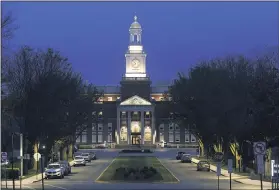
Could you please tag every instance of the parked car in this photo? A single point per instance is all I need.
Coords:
(79, 161)
(67, 166)
(4, 162)
(93, 155)
(203, 166)
(54, 170)
(86, 157)
(178, 155)
(186, 158)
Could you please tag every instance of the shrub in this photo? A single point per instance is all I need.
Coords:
(136, 173)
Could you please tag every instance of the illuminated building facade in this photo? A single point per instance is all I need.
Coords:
(135, 113)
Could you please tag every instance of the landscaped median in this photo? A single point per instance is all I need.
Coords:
(136, 169)
(236, 177)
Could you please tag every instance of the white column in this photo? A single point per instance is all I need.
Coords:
(129, 128)
(118, 126)
(142, 126)
(153, 126)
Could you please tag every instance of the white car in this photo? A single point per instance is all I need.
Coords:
(79, 161)
(86, 156)
(54, 170)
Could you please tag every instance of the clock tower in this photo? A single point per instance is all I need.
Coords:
(135, 56)
(135, 80)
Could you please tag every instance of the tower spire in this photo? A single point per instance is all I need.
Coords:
(135, 18)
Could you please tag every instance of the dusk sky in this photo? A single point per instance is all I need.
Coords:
(176, 35)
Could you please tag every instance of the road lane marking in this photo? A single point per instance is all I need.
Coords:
(56, 187)
(97, 180)
(168, 170)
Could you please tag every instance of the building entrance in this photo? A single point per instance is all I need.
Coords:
(135, 139)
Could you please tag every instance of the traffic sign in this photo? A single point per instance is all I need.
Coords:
(4, 156)
(218, 157)
(259, 148)
(260, 164)
(230, 166)
(37, 156)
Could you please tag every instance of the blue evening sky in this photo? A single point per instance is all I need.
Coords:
(94, 35)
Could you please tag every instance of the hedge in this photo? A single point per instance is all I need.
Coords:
(86, 146)
(10, 173)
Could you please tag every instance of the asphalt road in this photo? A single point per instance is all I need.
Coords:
(84, 177)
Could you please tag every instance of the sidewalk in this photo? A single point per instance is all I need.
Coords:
(26, 181)
(236, 177)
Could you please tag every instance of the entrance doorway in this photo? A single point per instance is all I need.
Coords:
(135, 139)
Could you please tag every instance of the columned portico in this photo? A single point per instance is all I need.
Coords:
(139, 123)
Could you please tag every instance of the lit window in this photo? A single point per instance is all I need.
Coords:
(118, 98)
(109, 137)
(170, 136)
(109, 98)
(84, 137)
(100, 137)
(161, 98)
(94, 137)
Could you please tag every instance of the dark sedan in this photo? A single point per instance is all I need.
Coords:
(93, 155)
(179, 155)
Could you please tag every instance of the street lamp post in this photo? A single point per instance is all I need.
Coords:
(42, 165)
(13, 174)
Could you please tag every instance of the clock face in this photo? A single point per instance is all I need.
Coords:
(135, 63)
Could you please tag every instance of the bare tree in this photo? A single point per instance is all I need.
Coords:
(7, 26)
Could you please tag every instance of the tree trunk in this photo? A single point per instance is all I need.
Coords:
(36, 150)
(71, 147)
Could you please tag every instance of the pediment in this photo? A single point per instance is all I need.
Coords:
(135, 100)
